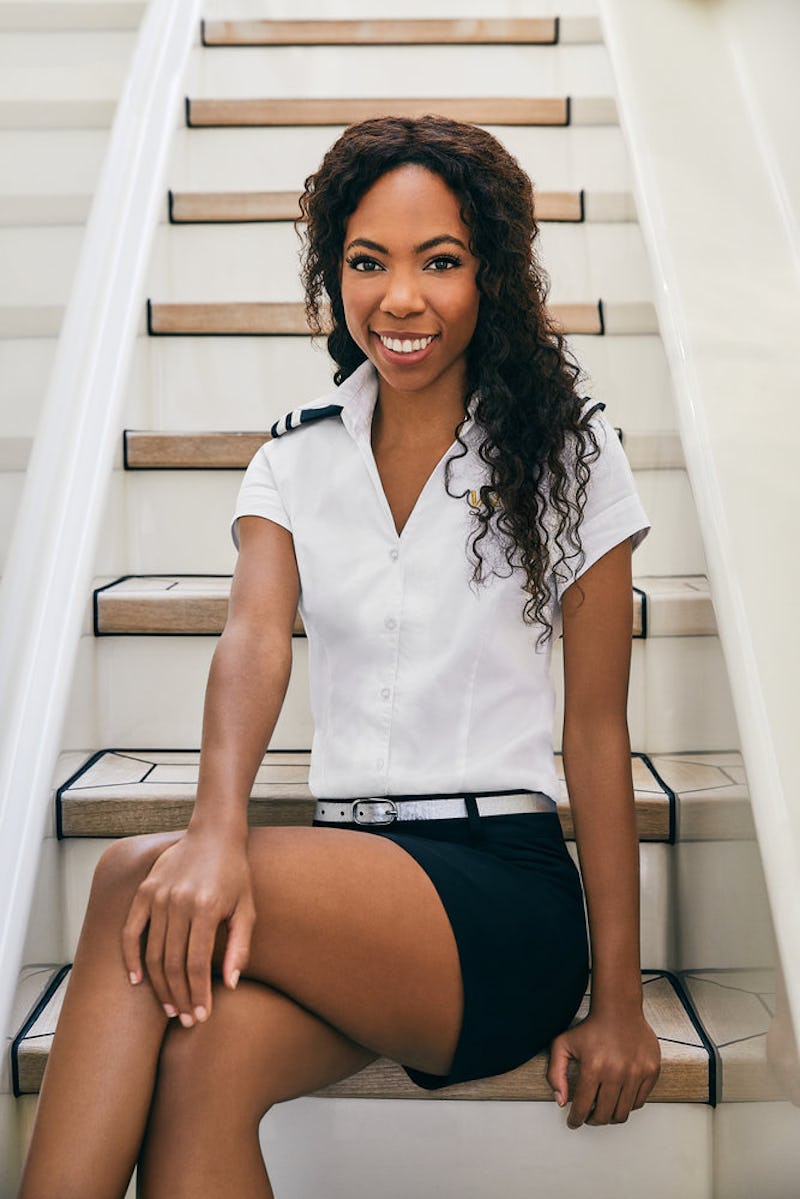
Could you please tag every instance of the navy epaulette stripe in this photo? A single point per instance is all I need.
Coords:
(302, 416)
(592, 410)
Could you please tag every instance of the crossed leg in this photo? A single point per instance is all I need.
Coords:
(359, 960)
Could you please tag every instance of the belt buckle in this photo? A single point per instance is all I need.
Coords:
(387, 815)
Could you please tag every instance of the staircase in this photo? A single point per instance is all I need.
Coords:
(224, 352)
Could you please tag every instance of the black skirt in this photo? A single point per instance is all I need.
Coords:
(514, 899)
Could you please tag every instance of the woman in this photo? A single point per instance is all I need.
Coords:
(425, 516)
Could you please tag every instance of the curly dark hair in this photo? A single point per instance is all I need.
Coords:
(517, 363)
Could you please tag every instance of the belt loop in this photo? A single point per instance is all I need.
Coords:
(475, 827)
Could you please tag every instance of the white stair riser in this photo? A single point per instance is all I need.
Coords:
(723, 916)
(259, 262)
(455, 70)
(756, 1150)
(474, 1150)
(149, 691)
(165, 522)
(81, 855)
(336, 10)
(66, 49)
(254, 159)
(249, 382)
(39, 161)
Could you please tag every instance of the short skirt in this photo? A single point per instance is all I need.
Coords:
(514, 899)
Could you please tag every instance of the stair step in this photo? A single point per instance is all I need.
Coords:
(481, 110)
(62, 15)
(688, 1063)
(120, 793)
(289, 319)
(238, 206)
(146, 449)
(198, 604)
(463, 32)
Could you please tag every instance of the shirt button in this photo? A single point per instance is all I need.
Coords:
(390, 622)
(379, 763)
(385, 693)
(394, 555)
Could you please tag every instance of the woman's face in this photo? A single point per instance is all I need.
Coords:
(408, 281)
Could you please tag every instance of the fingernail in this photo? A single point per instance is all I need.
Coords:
(186, 1020)
(170, 1010)
(134, 978)
(235, 978)
(201, 1014)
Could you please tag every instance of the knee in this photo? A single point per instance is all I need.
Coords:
(122, 866)
(195, 1064)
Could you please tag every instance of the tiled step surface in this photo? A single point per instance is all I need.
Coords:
(145, 449)
(232, 207)
(198, 605)
(119, 793)
(688, 1067)
(489, 110)
(289, 319)
(466, 31)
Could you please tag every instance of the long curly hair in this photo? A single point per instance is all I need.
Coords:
(528, 409)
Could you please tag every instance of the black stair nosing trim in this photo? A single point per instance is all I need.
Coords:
(187, 104)
(643, 596)
(90, 761)
(568, 120)
(714, 1058)
(203, 41)
(556, 32)
(602, 317)
(170, 196)
(672, 798)
(36, 1011)
(582, 201)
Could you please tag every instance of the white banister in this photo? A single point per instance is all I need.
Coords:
(48, 572)
(707, 97)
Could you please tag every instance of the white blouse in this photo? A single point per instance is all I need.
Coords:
(421, 681)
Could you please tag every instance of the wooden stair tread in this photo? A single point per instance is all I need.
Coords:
(334, 110)
(161, 449)
(382, 32)
(122, 792)
(687, 1068)
(288, 319)
(227, 207)
(192, 605)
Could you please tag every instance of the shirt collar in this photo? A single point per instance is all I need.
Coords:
(358, 396)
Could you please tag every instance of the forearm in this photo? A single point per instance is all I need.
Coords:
(597, 768)
(246, 686)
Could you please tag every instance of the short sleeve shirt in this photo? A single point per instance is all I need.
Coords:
(422, 681)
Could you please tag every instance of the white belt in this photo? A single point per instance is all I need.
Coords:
(388, 809)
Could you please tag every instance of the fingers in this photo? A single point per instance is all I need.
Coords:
(557, 1070)
(237, 950)
(198, 965)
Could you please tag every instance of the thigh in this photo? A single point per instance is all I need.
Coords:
(350, 926)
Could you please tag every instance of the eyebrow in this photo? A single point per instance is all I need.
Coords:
(441, 239)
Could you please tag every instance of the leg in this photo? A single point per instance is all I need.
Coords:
(217, 1080)
(339, 918)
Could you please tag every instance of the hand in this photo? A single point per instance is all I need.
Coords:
(194, 885)
(619, 1059)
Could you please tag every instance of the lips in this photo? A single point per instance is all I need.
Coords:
(407, 347)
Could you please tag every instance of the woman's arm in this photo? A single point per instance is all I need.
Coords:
(619, 1053)
(203, 879)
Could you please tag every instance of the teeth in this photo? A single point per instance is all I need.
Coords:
(406, 346)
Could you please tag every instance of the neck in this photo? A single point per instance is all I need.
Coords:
(418, 416)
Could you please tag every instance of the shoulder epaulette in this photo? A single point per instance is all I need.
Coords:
(302, 416)
(586, 415)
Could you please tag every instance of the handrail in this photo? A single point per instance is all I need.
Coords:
(48, 572)
(724, 251)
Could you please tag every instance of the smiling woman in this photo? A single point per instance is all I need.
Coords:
(431, 912)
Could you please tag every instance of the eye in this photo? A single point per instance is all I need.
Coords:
(363, 263)
(444, 262)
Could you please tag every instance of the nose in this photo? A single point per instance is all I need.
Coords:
(403, 295)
